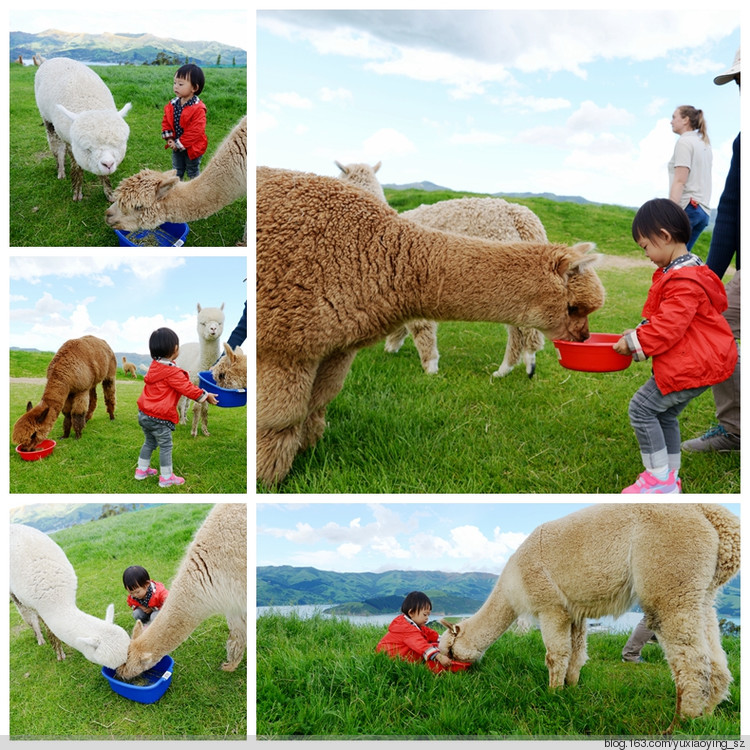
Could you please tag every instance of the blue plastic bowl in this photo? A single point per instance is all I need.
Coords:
(167, 235)
(159, 678)
(228, 397)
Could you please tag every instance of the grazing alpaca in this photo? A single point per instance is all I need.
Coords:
(198, 357)
(231, 371)
(149, 198)
(339, 270)
(129, 368)
(672, 559)
(212, 579)
(43, 587)
(489, 218)
(72, 376)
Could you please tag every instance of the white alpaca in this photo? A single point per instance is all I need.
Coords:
(231, 370)
(672, 559)
(199, 357)
(212, 579)
(43, 587)
(488, 218)
(81, 119)
(149, 198)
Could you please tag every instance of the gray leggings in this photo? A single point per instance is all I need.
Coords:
(158, 435)
(654, 419)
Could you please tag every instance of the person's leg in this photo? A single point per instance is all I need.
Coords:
(698, 222)
(640, 636)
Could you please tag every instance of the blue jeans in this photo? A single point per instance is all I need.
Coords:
(182, 164)
(698, 222)
(653, 416)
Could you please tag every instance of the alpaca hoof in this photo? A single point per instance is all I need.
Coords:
(227, 667)
(431, 367)
(501, 371)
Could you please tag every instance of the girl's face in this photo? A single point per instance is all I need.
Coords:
(680, 124)
(183, 88)
(420, 616)
(661, 250)
(139, 591)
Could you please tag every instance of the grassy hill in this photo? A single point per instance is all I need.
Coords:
(71, 699)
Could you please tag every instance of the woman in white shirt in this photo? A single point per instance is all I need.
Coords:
(690, 168)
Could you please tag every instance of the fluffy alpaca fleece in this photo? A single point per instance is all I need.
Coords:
(339, 270)
(149, 198)
(211, 580)
(231, 371)
(80, 118)
(199, 357)
(72, 376)
(129, 368)
(490, 218)
(43, 587)
(672, 559)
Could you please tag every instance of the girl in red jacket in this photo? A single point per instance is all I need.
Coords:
(690, 343)
(145, 597)
(157, 406)
(184, 124)
(408, 636)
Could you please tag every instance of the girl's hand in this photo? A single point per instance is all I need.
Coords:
(211, 398)
(621, 346)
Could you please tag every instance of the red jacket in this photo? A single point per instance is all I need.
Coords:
(164, 384)
(155, 602)
(193, 124)
(690, 342)
(409, 641)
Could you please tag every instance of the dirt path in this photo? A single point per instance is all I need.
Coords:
(42, 381)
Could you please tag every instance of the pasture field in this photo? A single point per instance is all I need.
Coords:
(71, 699)
(393, 429)
(42, 211)
(103, 460)
(321, 678)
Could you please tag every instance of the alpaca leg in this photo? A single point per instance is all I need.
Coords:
(110, 396)
(424, 334)
(200, 416)
(236, 642)
(556, 634)
(182, 409)
(57, 147)
(66, 411)
(578, 655)
(721, 677)
(76, 177)
(107, 185)
(513, 349)
(92, 403)
(79, 408)
(394, 341)
(204, 419)
(31, 618)
(532, 342)
(55, 642)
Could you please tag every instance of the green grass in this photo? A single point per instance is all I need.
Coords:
(321, 678)
(42, 212)
(394, 429)
(71, 699)
(103, 460)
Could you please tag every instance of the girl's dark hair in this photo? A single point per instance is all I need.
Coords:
(162, 343)
(658, 214)
(194, 74)
(135, 576)
(415, 601)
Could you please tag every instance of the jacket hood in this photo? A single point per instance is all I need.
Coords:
(706, 278)
(158, 371)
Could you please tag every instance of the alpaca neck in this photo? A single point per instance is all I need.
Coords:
(493, 618)
(210, 350)
(70, 623)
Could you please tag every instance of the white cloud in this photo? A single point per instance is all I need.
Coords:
(476, 137)
(387, 142)
(265, 121)
(291, 99)
(339, 94)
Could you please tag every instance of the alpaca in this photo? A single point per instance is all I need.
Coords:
(198, 357)
(231, 371)
(600, 560)
(72, 376)
(149, 198)
(339, 270)
(212, 579)
(489, 218)
(43, 587)
(129, 368)
(81, 119)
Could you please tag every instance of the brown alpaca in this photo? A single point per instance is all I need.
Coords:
(129, 367)
(72, 376)
(339, 270)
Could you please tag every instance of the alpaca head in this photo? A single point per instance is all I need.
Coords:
(362, 176)
(231, 371)
(107, 644)
(210, 322)
(137, 658)
(139, 200)
(33, 426)
(453, 645)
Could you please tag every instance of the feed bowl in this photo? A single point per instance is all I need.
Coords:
(593, 355)
(156, 679)
(228, 397)
(167, 235)
(456, 666)
(41, 451)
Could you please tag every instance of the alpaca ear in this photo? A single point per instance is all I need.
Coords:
(42, 416)
(166, 183)
(88, 641)
(29, 406)
(125, 110)
(137, 629)
(587, 258)
(340, 166)
(71, 115)
(450, 626)
(377, 167)
(110, 614)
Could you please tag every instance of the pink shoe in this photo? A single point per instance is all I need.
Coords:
(143, 474)
(174, 479)
(648, 484)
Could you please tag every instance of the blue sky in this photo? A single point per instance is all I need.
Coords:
(119, 299)
(568, 102)
(358, 537)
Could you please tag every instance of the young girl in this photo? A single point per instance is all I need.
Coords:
(157, 405)
(145, 597)
(690, 343)
(408, 636)
(184, 123)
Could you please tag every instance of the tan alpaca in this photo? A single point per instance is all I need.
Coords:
(339, 270)
(72, 376)
(231, 371)
(129, 368)
(672, 559)
(211, 580)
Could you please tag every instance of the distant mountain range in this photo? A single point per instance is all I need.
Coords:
(380, 593)
(49, 517)
(114, 49)
(136, 359)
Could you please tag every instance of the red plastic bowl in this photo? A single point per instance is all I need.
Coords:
(456, 666)
(593, 355)
(42, 450)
